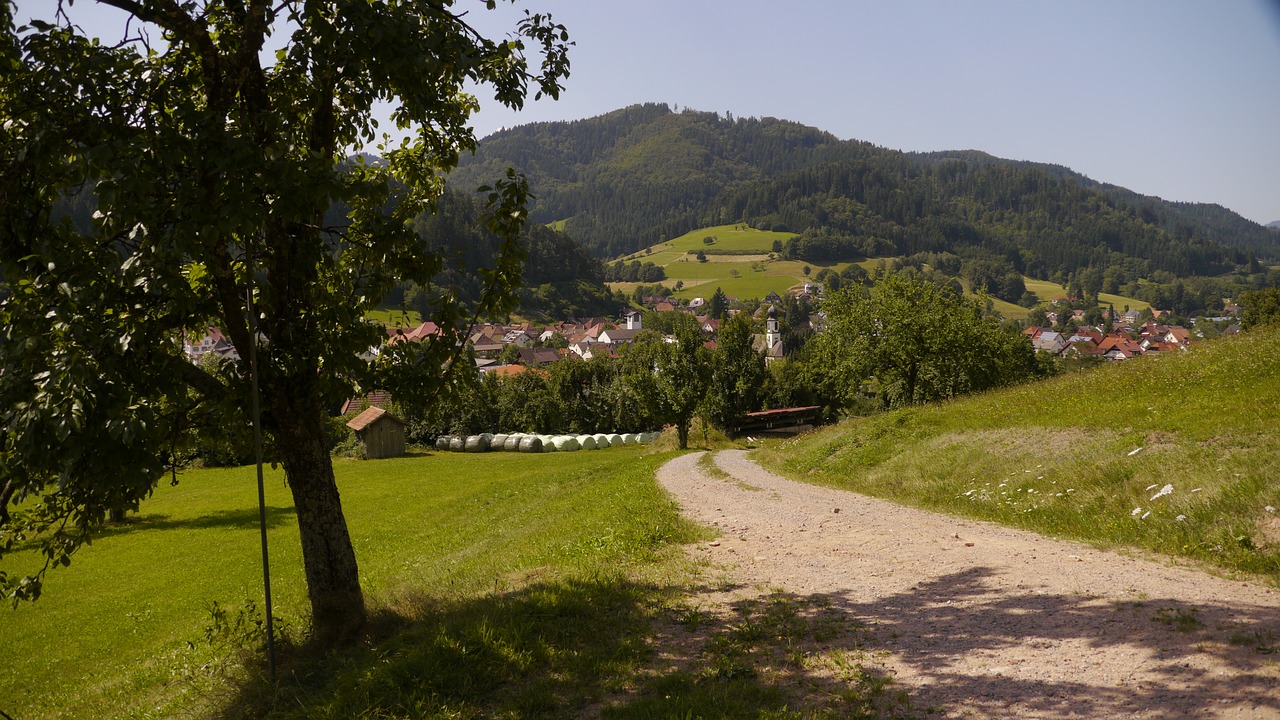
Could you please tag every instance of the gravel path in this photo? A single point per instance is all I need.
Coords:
(979, 620)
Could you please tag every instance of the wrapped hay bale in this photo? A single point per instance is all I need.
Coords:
(602, 440)
(457, 444)
(586, 442)
(630, 439)
(512, 443)
(496, 442)
(530, 444)
(476, 444)
(615, 439)
(564, 443)
(442, 443)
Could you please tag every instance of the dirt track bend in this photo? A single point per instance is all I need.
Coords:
(978, 620)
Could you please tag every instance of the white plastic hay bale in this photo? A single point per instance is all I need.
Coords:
(647, 437)
(615, 439)
(497, 441)
(476, 444)
(586, 442)
(442, 443)
(512, 443)
(530, 444)
(457, 444)
(564, 443)
(630, 439)
(548, 444)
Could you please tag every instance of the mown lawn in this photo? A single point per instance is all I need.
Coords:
(1175, 454)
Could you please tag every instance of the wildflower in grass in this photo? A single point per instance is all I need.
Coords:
(1070, 490)
(1180, 518)
(1152, 486)
(1197, 490)
(1167, 489)
(1134, 451)
(1269, 509)
(1144, 515)
(1135, 512)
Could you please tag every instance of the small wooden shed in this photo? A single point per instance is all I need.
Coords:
(381, 432)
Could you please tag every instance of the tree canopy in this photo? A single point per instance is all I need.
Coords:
(215, 165)
(918, 341)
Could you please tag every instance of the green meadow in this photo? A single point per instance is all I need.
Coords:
(127, 629)
(1047, 291)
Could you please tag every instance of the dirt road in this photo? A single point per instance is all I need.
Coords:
(977, 620)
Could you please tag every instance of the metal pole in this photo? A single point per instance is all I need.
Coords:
(257, 449)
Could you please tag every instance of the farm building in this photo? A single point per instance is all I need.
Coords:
(381, 432)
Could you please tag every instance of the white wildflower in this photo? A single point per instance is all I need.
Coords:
(971, 492)
(1269, 509)
(1180, 518)
(1134, 451)
(1040, 478)
(1071, 490)
(1166, 490)
(1153, 486)
(1144, 515)
(1135, 512)
(1197, 490)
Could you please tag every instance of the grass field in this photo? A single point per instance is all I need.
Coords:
(111, 631)
(1174, 454)
(1047, 291)
(499, 585)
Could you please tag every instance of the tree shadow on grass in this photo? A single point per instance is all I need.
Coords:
(620, 650)
(576, 648)
(234, 519)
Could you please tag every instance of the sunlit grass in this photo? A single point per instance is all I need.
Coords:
(112, 631)
(1089, 456)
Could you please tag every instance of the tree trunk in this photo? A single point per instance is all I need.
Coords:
(329, 560)
(682, 432)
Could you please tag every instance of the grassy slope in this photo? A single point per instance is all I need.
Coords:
(111, 631)
(1059, 456)
(701, 279)
(1047, 291)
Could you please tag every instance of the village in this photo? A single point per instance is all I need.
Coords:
(513, 348)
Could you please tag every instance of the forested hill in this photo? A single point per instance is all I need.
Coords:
(626, 180)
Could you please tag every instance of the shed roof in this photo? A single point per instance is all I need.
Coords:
(369, 417)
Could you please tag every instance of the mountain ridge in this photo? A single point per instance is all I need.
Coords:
(638, 175)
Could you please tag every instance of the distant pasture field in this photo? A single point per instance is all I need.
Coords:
(1046, 291)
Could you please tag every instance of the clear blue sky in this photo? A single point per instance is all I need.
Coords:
(1175, 98)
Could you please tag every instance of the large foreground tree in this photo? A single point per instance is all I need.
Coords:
(213, 141)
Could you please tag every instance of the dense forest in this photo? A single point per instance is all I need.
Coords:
(633, 177)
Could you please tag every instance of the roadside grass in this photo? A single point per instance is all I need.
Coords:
(1175, 455)
(499, 585)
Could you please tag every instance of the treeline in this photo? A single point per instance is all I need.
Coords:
(634, 271)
